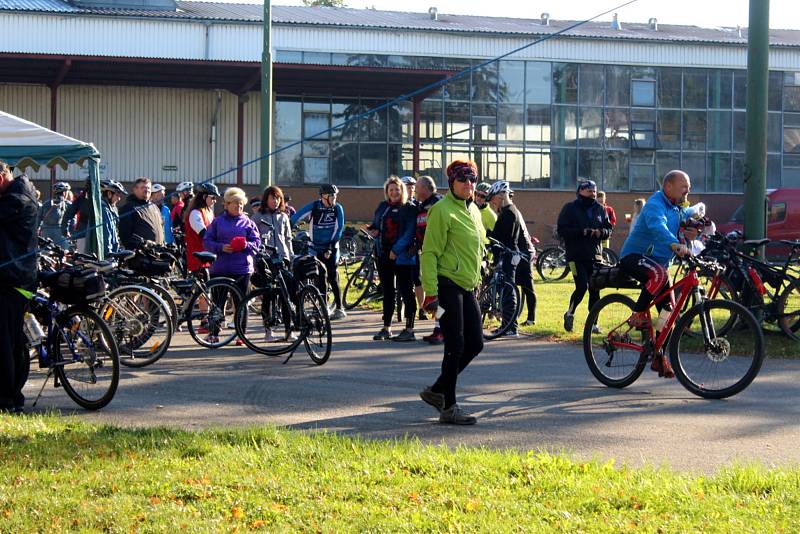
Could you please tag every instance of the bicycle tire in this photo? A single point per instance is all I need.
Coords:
(724, 291)
(217, 318)
(688, 363)
(551, 264)
(252, 321)
(169, 299)
(596, 345)
(315, 326)
(789, 321)
(97, 334)
(128, 312)
(610, 258)
(490, 301)
(362, 281)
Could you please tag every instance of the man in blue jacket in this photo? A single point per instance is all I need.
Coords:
(325, 226)
(652, 242)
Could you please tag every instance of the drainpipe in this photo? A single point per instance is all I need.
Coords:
(214, 120)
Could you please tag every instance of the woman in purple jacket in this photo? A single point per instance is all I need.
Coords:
(234, 238)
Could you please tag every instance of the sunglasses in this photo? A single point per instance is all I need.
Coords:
(467, 177)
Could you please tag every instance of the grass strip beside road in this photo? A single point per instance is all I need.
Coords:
(58, 474)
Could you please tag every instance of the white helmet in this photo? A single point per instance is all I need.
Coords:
(498, 187)
(157, 188)
(61, 187)
(184, 187)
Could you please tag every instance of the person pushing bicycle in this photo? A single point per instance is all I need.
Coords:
(650, 246)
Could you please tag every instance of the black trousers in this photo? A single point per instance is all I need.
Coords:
(524, 279)
(332, 275)
(14, 358)
(581, 272)
(463, 335)
(396, 278)
(219, 295)
(653, 276)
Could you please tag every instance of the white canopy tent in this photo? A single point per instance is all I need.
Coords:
(26, 144)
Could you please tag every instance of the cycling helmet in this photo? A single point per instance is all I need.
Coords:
(184, 186)
(328, 189)
(111, 185)
(409, 180)
(208, 188)
(157, 188)
(483, 187)
(61, 187)
(497, 188)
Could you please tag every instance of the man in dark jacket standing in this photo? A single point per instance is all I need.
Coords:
(583, 224)
(140, 219)
(19, 221)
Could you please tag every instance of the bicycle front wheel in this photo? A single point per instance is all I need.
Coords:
(499, 303)
(552, 264)
(613, 365)
(789, 310)
(211, 315)
(264, 322)
(315, 325)
(85, 358)
(361, 285)
(716, 365)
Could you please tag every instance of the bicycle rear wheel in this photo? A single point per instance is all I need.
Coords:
(141, 324)
(610, 257)
(315, 325)
(612, 365)
(494, 298)
(552, 264)
(211, 313)
(716, 365)
(789, 310)
(360, 286)
(85, 357)
(264, 322)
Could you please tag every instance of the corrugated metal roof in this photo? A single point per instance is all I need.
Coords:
(398, 20)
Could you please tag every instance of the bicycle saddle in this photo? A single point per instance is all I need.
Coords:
(756, 242)
(205, 257)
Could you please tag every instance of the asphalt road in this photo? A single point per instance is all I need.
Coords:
(527, 394)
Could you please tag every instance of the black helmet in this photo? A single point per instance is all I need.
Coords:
(328, 189)
(208, 188)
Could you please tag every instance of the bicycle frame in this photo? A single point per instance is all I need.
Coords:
(685, 286)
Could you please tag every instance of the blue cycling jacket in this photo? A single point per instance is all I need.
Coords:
(655, 230)
(325, 226)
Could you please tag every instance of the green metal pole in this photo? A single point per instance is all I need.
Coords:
(755, 168)
(266, 99)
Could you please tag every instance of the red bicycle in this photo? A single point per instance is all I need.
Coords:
(708, 360)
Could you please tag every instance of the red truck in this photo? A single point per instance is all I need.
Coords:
(783, 218)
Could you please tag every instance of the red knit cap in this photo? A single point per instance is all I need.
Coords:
(460, 168)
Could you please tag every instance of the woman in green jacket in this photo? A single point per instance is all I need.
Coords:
(451, 258)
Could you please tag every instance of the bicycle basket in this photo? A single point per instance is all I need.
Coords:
(305, 267)
(73, 285)
(605, 277)
(145, 265)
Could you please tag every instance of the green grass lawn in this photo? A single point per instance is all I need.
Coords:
(552, 301)
(58, 475)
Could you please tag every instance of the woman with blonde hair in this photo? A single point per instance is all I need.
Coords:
(393, 228)
(234, 238)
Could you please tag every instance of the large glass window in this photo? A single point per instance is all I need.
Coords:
(512, 82)
(537, 82)
(484, 83)
(510, 124)
(694, 130)
(565, 83)
(562, 168)
(289, 164)
(565, 130)
(719, 130)
(287, 120)
(720, 89)
(316, 119)
(718, 174)
(791, 133)
(791, 98)
(537, 125)
(669, 129)
(510, 164)
(590, 131)
(694, 164)
(642, 169)
(458, 88)
(643, 128)
(345, 163)
(591, 85)
(643, 93)
(537, 170)
(617, 131)
(775, 88)
(665, 162)
(791, 171)
(484, 123)
(694, 89)
(373, 164)
(615, 173)
(456, 121)
(430, 121)
(618, 86)
(401, 121)
(669, 88)
(374, 125)
(590, 164)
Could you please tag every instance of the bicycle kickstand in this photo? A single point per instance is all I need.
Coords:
(46, 379)
(289, 357)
